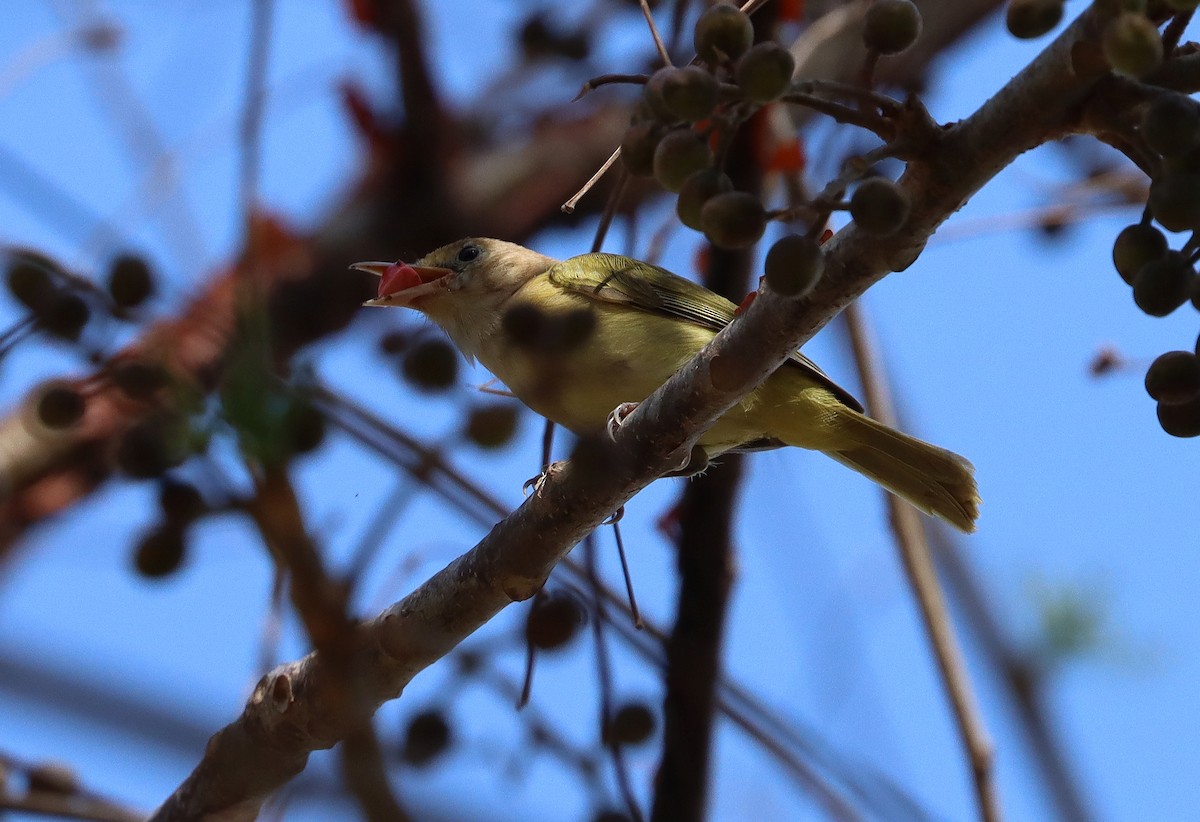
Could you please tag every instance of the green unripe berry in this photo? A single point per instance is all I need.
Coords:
(735, 219)
(1171, 125)
(679, 155)
(891, 26)
(722, 32)
(431, 365)
(1132, 44)
(689, 93)
(1163, 285)
(765, 72)
(1180, 420)
(1027, 19)
(637, 148)
(879, 206)
(1174, 377)
(1135, 246)
(652, 96)
(1175, 200)
(697, 190)
(794, 265)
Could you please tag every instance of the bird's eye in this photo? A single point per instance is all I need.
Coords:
(468, 253)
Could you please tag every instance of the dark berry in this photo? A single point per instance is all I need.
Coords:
(697, 190)
(735, 219)
(427, 737)
(130, 281)
(431, 365)
(891, 26)
(722, 33)
(765, 72)
(1174, 377)
(1135, 246)
(679, 155)
(794, 265)
(879, 206)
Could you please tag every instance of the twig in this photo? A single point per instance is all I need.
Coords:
(569, 206)
(634, 611)
(604, 674)
(608, 79)
(918, 565)
(658, 43)
(1025, 682)
(253, 108)
(843, 113)
(1174, 30)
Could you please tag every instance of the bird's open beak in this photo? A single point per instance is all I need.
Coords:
(401, 284)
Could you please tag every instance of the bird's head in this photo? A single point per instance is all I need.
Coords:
(461, 286)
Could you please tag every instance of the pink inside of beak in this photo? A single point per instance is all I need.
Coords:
(397, 277)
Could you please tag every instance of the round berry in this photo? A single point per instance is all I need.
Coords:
(431, 365)
(1163, 285)
(1135, 246)
(697, 190)
(1132, 44)
(130, 282)
(689, 93)
(60, 407)
(891, 26)
(794, 265)
(1027, 19)
(1174, 377)
(765, 72)
(722, 33)
(879, 206)
(735, 219)
(680, 154)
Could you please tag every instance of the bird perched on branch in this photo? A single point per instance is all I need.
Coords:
(575, 339)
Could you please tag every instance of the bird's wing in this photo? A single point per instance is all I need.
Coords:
(616, 279)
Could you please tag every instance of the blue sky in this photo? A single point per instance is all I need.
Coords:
(988, 338)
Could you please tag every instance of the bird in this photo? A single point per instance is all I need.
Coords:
(574, 339)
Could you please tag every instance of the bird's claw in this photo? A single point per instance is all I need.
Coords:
(617, 418)
(616, 516)
(536, 483)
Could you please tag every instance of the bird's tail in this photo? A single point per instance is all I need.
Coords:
(936, 481)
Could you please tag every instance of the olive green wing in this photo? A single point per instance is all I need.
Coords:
(616, 279)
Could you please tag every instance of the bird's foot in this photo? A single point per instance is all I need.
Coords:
(696, 462)
(615, 517)
(536, 483)
(617, 418)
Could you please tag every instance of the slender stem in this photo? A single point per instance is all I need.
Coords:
(658, 43)
(569, 206)
(911, 542)
(604, 673)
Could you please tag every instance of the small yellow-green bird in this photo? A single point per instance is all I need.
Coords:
(628, 327)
